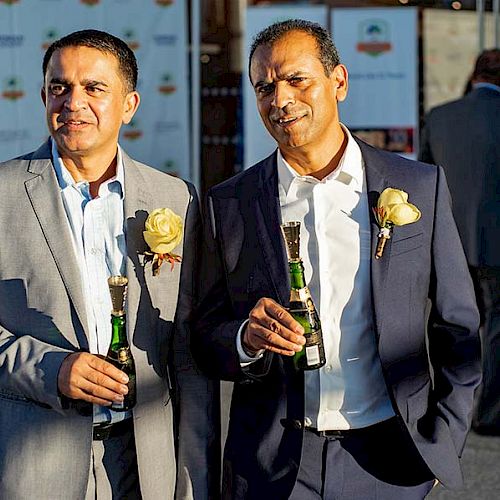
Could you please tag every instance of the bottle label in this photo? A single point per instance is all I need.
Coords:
(313, 338)
(312, 355)
(123, 354)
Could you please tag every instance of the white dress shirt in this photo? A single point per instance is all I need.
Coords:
(98, 234)
(349, 391)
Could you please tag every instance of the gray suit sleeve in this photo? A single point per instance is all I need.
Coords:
(29, 368)
(197, 397)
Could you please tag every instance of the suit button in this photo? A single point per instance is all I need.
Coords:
(297, 424)
(307, 422)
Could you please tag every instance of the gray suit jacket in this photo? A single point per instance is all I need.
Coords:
(463, 137)
(45, 446)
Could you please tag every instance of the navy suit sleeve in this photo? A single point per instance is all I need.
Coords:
(217, 325)
(454, 347)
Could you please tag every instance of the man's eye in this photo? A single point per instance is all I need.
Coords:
(94, 90)
(265, 89)
(57, 89)
(296, 80)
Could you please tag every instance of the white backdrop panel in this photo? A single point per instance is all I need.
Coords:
(155, 30)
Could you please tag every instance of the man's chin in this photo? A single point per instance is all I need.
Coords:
(70, 147)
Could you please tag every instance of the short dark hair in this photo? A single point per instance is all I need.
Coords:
(487, 66)
(104, 42)
(327, 52)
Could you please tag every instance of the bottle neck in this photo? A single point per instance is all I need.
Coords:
(297, 279)
(118, 331)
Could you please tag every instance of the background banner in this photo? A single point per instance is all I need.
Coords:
(157, 32)
(257, 142)
(379, 48)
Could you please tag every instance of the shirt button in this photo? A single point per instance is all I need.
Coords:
(307, 422)
(328, 368)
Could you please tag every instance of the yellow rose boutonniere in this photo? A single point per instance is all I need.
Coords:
(163, 232)
(392, 209)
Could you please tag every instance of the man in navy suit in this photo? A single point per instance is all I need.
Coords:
(463, 137)
(390, 410)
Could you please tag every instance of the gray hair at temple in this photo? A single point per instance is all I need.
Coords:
(487, 68)
(327, 52)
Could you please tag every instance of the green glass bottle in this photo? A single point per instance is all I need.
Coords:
(119, 353)
(302, 308)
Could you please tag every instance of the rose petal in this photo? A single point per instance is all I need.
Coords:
(391, 196)
(404, 213)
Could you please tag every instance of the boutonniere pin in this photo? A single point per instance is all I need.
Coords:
(163, 232)
(392, 209)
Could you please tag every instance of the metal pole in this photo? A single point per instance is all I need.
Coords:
(496, 21)
(480, 23)
(195, 93)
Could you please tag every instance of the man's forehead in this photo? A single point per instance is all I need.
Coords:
(84, 60)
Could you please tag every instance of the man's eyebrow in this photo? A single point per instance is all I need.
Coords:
(60, 81)
(92, 83)
(287, 76)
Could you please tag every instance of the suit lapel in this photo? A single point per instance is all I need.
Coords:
(376, 182)
(43, 192)
(268, 219)
(136, 211)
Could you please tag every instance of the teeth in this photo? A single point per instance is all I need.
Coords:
(286, 120)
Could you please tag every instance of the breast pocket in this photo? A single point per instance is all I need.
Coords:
(405, 245)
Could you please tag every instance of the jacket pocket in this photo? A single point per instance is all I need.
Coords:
(417, 403)
(406, 245)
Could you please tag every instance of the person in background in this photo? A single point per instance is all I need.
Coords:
(463, 137)
(390, 409)
(73, 213)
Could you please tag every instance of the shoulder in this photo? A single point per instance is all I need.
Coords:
(246, 182)
(158, 181)
(16, 166)
(395, 164)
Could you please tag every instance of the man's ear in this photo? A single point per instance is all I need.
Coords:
(131, 104)
(43, 95)
(340, 81)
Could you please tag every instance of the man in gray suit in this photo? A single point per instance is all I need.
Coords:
(463, 137)
(72, 214)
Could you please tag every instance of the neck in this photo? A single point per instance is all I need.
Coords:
(93, 170)
(317, 161)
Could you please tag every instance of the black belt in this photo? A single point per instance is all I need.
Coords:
(340, 434)
(101, 432)
(333, 434)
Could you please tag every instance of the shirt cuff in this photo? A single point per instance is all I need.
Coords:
(245, 359)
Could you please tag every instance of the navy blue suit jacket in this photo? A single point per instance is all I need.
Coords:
(421, 284)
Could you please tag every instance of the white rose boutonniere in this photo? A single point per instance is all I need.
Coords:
(163, 232)
(392, 209)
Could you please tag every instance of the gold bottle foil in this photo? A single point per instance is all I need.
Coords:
(291, 234)
(118, 290)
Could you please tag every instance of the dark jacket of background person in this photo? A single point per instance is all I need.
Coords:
(463, 137)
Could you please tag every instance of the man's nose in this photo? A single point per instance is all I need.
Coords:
(283, 95)
(75, 99)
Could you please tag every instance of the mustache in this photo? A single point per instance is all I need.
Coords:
(286, 114)
(70, 118)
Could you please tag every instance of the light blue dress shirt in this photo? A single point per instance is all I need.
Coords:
(98, 234)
